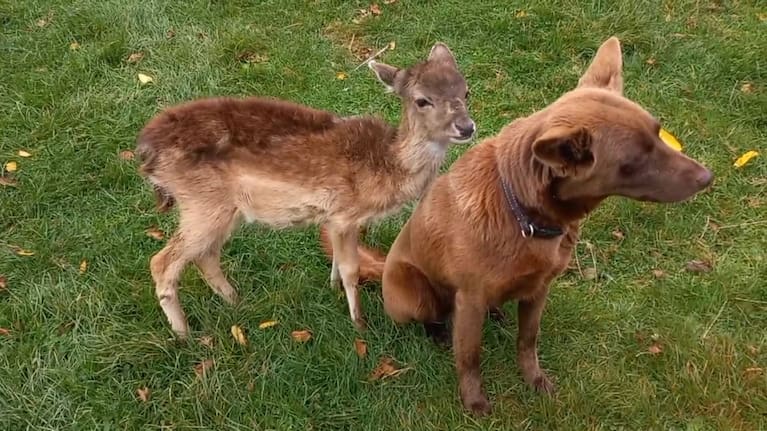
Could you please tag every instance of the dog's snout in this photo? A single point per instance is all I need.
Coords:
(705, 178)
(465, 129)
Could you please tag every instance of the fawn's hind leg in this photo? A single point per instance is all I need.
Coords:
(200, 231)
(209, 263)
(347, 264)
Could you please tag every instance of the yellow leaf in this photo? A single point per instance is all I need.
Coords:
(670, 140)
(11, 167)
(239, 335)
(392, 45)
(301, 336)
(340, 76)
(144, 79)
(154, 232)
(267, 324)
(521, 14)
(74, 46)
(745, 158)
(23, 153)
(22, 252)
(83, 266)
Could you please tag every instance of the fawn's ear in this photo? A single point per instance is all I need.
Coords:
(441, 53)
(565, 149)
(606, 69)
(386, 74)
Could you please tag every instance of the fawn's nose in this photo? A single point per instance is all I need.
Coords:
(466, 129)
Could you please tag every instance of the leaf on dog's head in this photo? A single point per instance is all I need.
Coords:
(361, 347)
(239, 335)
(745, 158)
(386, 368)
(202, 368)
(670, 140)
(301, 336)
(267, 324)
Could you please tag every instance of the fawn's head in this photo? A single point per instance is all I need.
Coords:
(599, 143)
(434, 96)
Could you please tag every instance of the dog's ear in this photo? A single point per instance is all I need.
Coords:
(606, 69)
(441, 53)
(565, 149)
(386, 74)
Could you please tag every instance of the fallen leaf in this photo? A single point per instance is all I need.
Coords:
(5, 332)
(251, 386)
(65, 327)
(520, 14)
(651, 61)
(207, 341)
(713, 226)
(655, 348)
(361, 15)
(361, 347)
(23, 252)
(44, 21)
(74, 46)
(127, 155)
(389, 1)
(135, 57)
(386, 368)
(83, 266)
(301, 336)
(340, 76)
(762, 16)
(753, 370)
(155, 233)
(392, 45)
(742, 160)
(170, 34)
(252, 57)
(239, 335)
(589, 273)
(747, 88)
(618, 234)
(202, 35)
(670, 140)
(8, 181)
(11, 166)
(23, 153)
(267, 324)
(144, 79)
(202, 368)
(658, 273)
(375, 9)
(753, 349)
(697, 265)
(3, 283)
(144, 394)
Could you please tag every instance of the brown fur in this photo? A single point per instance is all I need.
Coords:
(462, 251)
(223, 160)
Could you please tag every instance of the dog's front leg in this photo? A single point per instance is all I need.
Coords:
(530, 312)
(467, 339)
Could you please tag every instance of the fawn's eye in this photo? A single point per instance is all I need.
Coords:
(467, 95)
(423, 102)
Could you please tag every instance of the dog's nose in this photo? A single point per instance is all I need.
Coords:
(465, 129)
(705, 178)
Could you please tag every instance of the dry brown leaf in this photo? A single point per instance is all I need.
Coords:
(655, 348)
(11, 166)
(239, 335)
(3, 283)
(589, 273)
(697, 265)
(361, 15)
(156, 233)
(651, 61)
(754, 370)
(83, 266)
(8, 181)
(658, 273)
(203, 367)
(144, 394)
(44, 21)
(714, 226)
(747, 88)
(375, 9)
(753, 349)
(251, 386)
(267, 324)
(386, 368)
(170, 34)
(618, 234)
(65, 327)
(23, 252)
(74, 46)
(301, 336)
(127, 155)
(207, 341)
(361, 347)
(5, 332)
(762, 16)
(135, 57)
(23, 153)
(389, 1)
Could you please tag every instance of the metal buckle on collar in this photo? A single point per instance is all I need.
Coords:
(530, 231)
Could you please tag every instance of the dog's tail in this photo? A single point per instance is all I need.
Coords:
(149, 160)
(371, 260)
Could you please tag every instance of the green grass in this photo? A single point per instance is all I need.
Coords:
(81, 344)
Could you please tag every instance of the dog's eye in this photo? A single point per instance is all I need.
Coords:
(627, 169)
(423, 102)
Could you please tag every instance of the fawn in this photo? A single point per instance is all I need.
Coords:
(225, 160)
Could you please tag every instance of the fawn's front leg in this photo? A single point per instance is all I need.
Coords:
(346, 264)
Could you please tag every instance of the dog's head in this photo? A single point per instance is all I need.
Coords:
(434, 94)
(598, 143)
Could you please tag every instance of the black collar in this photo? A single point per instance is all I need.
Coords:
(528, 227)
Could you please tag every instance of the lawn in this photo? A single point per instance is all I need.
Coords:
(643, 343)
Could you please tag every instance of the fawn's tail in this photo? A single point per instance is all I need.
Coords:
(371, 260)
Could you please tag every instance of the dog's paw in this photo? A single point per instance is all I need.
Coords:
(478, 405)
(544, 385)
(439, 334)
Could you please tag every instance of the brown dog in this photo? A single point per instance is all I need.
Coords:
(281, 164)
(502, 223)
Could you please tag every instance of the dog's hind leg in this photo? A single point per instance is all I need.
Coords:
(346, 264)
